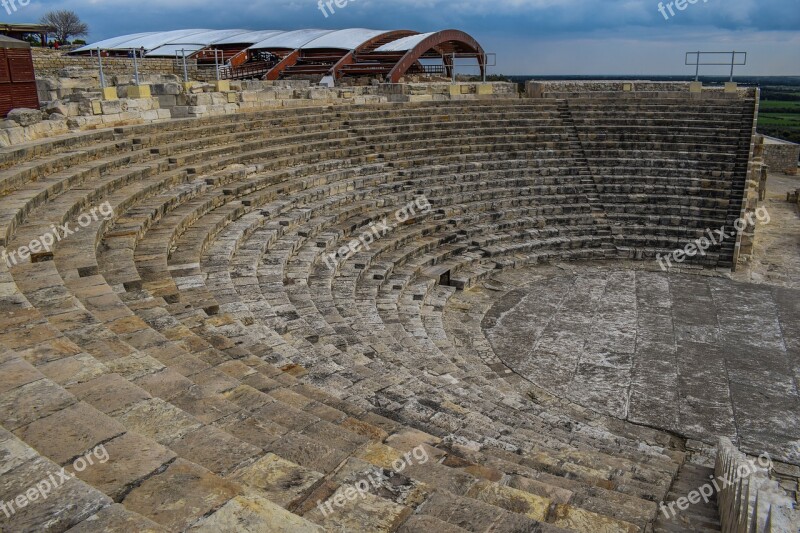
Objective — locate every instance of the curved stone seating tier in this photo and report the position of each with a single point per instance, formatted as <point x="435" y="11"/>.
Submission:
<point x="239" y="367"/>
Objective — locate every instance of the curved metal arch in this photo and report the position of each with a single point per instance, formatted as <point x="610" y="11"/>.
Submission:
<point x="433" y="41"/>
<point x="350" y="57"/>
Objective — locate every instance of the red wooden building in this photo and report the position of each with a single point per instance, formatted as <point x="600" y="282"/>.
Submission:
<point x="17" y="79"/>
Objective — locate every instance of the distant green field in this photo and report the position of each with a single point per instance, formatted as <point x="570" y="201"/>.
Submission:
<point x="779" y="113"/>
<point x="769" y="105"/>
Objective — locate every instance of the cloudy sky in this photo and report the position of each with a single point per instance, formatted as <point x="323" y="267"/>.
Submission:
<point x="529" y="36"/>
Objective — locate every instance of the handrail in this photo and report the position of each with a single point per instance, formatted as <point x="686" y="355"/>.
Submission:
<point x="483" y="61"/>
<point x="246" y="70"/>
<point x="698" y="63"/>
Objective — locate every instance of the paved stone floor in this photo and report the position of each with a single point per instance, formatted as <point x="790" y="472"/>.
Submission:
<point x="701" y="356"/>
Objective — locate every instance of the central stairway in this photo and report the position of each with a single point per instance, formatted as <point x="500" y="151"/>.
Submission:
<point x="240" y="382"/>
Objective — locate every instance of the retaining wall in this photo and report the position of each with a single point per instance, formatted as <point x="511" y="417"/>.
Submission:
<point x="781" y="156"/>
<point x="49" y="63"/>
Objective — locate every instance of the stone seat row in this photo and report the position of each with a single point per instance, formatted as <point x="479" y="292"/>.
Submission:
<point x="167" y="223"/>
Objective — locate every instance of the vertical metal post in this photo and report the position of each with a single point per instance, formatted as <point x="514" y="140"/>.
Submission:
<point x="697" y="69"/>
<point x="100" y="63"/>
<point x="733" y="61"/>
<point x="453" y="68"/>
<point x="485" y="63"/>
<point x="185" y="68"/>
<point x="216" y="63"/>
<point x="135" y="68"/>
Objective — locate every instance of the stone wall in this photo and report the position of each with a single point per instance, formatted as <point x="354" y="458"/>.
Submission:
<point x="48" y="63"/>
<point x="200" y="100"/>
<point x="439" y="91"/>
<point x="546" y="89"/>
<point x="86" y="112"/>
<point x="781" y="156"/>
<point x="645" y="89"/>
<point x="77" y="103"/>
<point x="756" y="181"/>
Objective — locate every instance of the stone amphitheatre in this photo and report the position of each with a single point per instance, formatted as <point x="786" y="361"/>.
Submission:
<point x="397" y="307"/>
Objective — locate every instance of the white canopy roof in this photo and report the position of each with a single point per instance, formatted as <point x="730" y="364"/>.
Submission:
<point x="344" y="39"/>
<point x="166" y="44"/>
<point x="172" y="50"/>
<point x="194" y="42"/>
<point x="404" y="44"/>
<point x="114" y="42"/>
<point x="290" y="39"/>
<point x="251" y="37"/>
<point x="149" y="41"/>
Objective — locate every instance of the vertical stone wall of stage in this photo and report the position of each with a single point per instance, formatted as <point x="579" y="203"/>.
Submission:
<point x="672" y="117"/>
<point x="781" y="156"/>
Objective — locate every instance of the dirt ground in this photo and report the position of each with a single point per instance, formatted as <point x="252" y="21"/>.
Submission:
<point x="776" y="253"/>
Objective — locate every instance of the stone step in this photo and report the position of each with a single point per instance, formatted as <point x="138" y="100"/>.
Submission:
<point x="201" y="320"/>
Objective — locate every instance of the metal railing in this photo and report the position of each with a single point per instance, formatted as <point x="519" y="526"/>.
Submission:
<point x="698" y="63"/>
<point x="248" y="70"/>
<point x="483" y="66"/>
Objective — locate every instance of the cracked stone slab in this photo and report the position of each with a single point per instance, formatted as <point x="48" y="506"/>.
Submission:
<point x="698" y="355"/>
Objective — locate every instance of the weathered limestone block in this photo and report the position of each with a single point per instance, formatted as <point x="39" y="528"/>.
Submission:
<point x="131" y="459"/>
<point x="218" y="98"/>
<point x="110" y="93"/>
<point x="139" y="91"/>
<point x="200" y="99"/>
<point x="81" y="499"/>
<point x="167" y="100"/>
<point x="110" y="107"/>
<point x="117" y="519"/>
<point x="164" y="89"/>
<point x="252" y="514"/>
<point x="181" y="495"/>
<point x="61" y="107"/>
<point x="25" y="117"/>
<point x="283" y="482"/>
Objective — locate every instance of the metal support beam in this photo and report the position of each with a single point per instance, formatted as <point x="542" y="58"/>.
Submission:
<point x="285" y="63"/>
<point x="350" y="57"/>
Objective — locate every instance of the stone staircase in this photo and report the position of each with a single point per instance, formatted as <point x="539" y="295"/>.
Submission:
<point x="238" y="382"/>
<point x="638" y="150"/>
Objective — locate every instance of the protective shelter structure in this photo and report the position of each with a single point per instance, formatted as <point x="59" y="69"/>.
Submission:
<point x="22" y="31"/>
<point x="306" y="53"/>
<point x="17" y="79"/>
